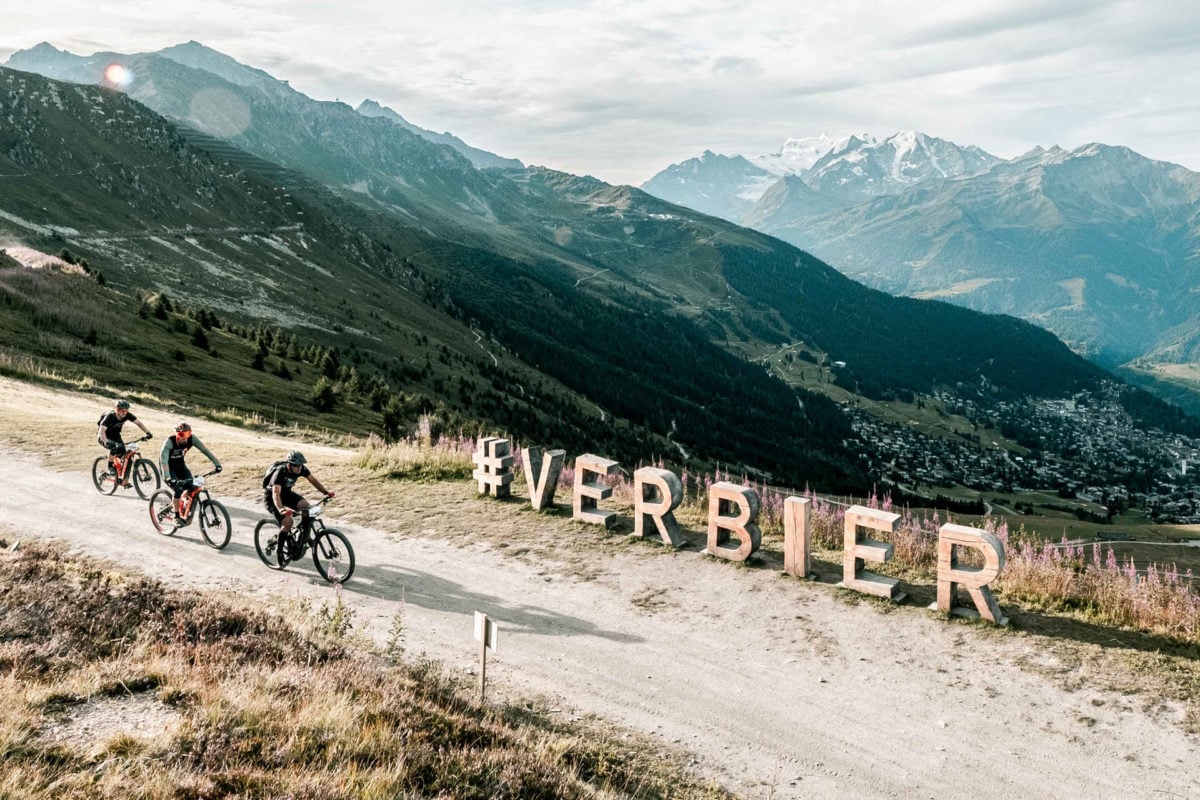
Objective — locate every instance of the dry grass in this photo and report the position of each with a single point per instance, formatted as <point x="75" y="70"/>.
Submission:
<point x="265" y="708"/>
<point x="416" y="460"/>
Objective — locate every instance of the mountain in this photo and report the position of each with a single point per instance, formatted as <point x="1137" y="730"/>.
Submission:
<point x="197" y="56"/>
<point x="355" y="155"/>
<point x="797" y="155"/>
<point x="91" y="172"/>
<point x="645" y="309"/>
<point x="863" y="167"/>
<point x="142" y="202"/>
<point x="845" y="170"/>
<point x="723" y="186"/>
<point x="481" y="159"/>
<point x="1098" y="245"/>
<point x="787" y="199"/>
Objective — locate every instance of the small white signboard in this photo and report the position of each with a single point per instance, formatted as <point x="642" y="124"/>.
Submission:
<point x="485" y="631"/>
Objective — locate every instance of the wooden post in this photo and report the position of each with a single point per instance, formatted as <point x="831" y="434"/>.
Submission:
<point x="482" y="670"/>
<point x="485" y="633"/>
<point x="797" y="555"/>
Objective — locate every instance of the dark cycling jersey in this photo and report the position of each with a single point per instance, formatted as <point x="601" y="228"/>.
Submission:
<point x="111" y="424"/>
<point x="283" y="477"/>
<point x="174" y="452"/>
<point x="172" y="458"/>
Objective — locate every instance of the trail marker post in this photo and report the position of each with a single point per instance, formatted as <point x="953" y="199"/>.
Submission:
<point x="485" y="634"/>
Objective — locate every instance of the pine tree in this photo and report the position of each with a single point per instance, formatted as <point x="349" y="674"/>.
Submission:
<point x="162" y="307"/>
<point x="393" y="413"/>
<point x="323" y="397"/>
<point x="329" y="363"/>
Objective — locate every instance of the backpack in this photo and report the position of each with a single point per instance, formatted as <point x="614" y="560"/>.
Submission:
<point x="270" y="470"/>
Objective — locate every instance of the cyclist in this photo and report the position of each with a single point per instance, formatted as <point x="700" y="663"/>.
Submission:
<point x="281" y="499"/>
<point x="109" y="432"/>
<point x="171" y="459"/>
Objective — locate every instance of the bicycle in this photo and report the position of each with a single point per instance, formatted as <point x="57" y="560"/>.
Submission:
<point x="332" y="553"/>
<point x="215" y="526"/>
<point x="110" y="472"/>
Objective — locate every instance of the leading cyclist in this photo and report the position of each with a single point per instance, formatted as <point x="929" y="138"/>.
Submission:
<point x="281" y="499"/>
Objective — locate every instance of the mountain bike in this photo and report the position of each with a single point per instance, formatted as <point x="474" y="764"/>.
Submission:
<point x="215" y="526"/>
<point x="110" y="472"/>
<point x="331" y="550"/>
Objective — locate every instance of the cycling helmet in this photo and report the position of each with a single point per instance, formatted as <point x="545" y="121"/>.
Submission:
<point x="296" y="457"/>
<point x="183" y="429"/>
<point x="122" y="404"/>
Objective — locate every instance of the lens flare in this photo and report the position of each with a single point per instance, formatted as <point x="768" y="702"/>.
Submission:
<point x="117" y="75"/>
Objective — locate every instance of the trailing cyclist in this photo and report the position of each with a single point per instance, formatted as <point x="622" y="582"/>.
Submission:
<point x="279" y="496"/>
<point x="172" y="460"/>
<point x="109" y="431"/>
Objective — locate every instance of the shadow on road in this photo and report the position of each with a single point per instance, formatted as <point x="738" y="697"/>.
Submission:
<point x="395" y="583"/>
<point x="435" y="592"/>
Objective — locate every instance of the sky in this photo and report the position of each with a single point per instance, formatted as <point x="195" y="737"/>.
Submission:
<point x="622" y="89"/>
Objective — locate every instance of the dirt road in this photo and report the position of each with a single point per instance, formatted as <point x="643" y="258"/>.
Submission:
<point x="778" y="687"/>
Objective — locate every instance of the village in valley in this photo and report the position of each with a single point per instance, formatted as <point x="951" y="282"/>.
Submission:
<point x="1085" y="450"/>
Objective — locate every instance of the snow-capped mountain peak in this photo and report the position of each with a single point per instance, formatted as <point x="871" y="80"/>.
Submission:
<point x="799" y="154"/>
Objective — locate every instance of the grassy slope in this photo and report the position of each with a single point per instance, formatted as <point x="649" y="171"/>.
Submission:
<point x="151" y="211"/>
<point x="259" y="707"/>
<point x="45" y="317"/>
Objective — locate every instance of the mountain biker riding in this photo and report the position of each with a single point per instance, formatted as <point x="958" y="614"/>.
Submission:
<point x="109" y="431"/>
<point x="281" y="500"/>
<point x="172" y="455"/>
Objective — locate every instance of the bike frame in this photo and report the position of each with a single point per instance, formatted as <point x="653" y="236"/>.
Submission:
<point x="306" y="528"/>
<point x="121" y="463"/>
<point x="188" y="500"/>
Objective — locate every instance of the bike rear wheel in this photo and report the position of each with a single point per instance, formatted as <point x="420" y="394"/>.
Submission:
<point x="145" y="477"/>
<point x="214" y="524"/>
<point x="333" y="556"/>
<point x="162" y="512"/>
<point x="104" y="478"/>
<point x="266" y="543"/>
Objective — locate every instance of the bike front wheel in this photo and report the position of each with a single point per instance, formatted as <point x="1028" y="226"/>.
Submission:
<point x="214" y="524"/>
<point x="145" y="478"/>
<point x="162" y="512"/>
<point x="266" y="543"/>
<point x="104" y="478"/>
<point x="333" y="556"/>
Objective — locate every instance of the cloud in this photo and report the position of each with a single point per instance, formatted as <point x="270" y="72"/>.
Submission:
<point x="621" y="88"/>
<point x="1006" y="17"/>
